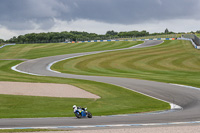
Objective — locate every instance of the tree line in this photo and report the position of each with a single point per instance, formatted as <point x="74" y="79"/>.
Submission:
<point x="55" y="37"/>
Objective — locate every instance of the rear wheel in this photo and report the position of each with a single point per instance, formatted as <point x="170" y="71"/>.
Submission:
<point x="89" y="115"/>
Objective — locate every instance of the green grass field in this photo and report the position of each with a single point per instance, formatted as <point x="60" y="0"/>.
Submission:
<point x="172" y="62"/>
<point x="197" y="34"/>
<point x="32" y="51"/>
<point x="114" y="100"/>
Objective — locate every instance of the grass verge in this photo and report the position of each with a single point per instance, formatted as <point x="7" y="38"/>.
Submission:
<point x="32" y="51"/>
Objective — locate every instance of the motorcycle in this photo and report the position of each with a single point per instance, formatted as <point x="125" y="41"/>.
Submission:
<point x="82" y="113"/>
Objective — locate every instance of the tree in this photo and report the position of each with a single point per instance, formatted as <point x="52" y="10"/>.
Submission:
<point x="166" y="31"/>
<point x="21" y="39"/>
<point x="111" y="33"/>
<point x="77" y="36"/>
<point x="198" y="31"/>
<point x="1" y="41"/>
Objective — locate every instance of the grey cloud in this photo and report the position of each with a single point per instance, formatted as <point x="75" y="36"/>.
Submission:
<point x="22" y="14"/>
<point x="136" y="11"/>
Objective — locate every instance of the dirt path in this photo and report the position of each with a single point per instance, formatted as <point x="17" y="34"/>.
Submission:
<point x="44" y="89"/>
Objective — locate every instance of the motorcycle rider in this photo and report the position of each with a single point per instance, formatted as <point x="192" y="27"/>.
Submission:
<point x="75" y="108"/>
<point x="81" y="112"/>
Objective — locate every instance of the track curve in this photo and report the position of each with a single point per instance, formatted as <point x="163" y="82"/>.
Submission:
<point x="187" y="98"/>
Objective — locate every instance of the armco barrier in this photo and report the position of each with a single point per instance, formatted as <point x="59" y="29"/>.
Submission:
<point x="154" y="39"/>
<point x="7" y="45"/>
<point x="194" y="38"/>
<point x="195" y="46"/>
<point x="112" y="40"/>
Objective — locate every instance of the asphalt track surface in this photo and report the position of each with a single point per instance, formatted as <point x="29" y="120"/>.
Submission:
<point x="187" y="98"/>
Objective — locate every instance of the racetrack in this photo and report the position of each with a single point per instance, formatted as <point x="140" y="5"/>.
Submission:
<point x="187" y="98"/>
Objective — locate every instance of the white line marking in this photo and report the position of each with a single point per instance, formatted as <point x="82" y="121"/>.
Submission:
<point x="102" y="126"/>
<point x="191" y="87"/>
<point x="15" y="69"/>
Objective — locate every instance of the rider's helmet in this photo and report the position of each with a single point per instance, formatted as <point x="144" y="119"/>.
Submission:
<point x="74" y="106"/>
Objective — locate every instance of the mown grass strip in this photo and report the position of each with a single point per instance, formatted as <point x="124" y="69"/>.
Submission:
<point x="31" y="51"/>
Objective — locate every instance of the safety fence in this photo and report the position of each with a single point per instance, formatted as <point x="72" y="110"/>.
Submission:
<point x="193" y="43"/>
<point x="112" y="40"/>
<point x="6" y="45"/>
<point x="193" y="38"/>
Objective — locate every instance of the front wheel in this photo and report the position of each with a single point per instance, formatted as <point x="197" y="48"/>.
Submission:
<point x="89" y="115"/>
<point x="78" y="115"/>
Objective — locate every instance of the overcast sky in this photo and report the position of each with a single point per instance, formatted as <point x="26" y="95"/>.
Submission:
<point x="18" y="17"/>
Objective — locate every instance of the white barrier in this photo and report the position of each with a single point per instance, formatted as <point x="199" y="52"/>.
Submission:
<point x="112" y="40"/>
<point x="195" y="46"/>
<point x="7" y="45"/>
